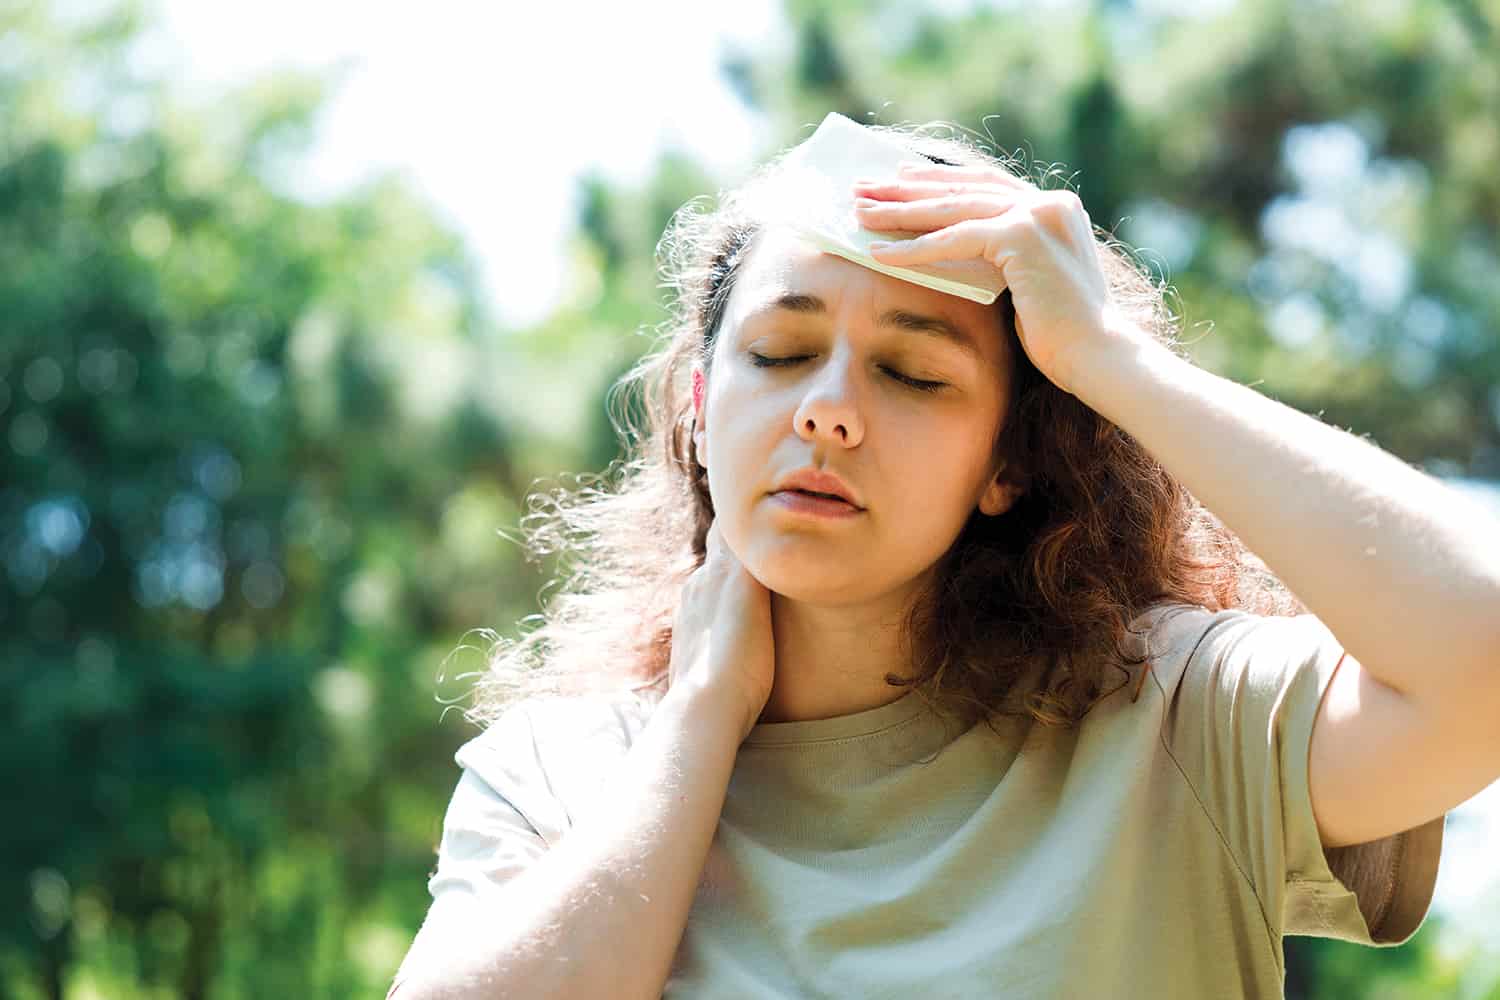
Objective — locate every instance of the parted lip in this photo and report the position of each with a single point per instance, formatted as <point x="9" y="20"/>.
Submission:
<point x="819" y="482"/>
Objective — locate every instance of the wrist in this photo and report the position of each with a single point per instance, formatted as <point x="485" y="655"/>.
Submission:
<point x="711" y="709"/>
<point x="1119" y="357"/>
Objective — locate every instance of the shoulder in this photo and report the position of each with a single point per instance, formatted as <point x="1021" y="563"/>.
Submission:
<point x="1185" y="643"/>
<point x="548" y="753"/>
<point x="551" y="717"/>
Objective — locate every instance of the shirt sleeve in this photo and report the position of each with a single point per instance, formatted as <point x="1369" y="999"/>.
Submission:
<point x="1239" y="724"/>
<point x="488" y="839"/>
<point x="542" y="760"/>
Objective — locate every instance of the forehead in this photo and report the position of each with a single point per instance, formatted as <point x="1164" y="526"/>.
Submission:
<point x="782" y="263"/>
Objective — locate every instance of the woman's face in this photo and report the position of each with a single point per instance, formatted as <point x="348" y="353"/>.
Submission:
<point x="918" y="461"/>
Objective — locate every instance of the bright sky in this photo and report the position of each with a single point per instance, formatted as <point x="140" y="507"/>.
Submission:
<point x="494" y="110"/>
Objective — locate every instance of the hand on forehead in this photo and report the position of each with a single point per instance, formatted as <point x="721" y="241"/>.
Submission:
<point x="782" y="263"/>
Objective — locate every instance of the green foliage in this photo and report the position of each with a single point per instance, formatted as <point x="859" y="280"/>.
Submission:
<point x="255" y="452"/>
<point x="252" y="473"/>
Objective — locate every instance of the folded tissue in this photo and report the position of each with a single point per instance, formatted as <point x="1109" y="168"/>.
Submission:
<point x="821" y="172"/>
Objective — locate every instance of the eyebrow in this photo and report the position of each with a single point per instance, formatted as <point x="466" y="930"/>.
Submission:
<point x="799" y="302"/>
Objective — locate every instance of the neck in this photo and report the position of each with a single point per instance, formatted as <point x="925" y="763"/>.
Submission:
<point x="832" y="660"/>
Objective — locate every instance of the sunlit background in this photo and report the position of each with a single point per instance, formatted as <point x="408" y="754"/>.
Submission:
<point x="300" y="300"/>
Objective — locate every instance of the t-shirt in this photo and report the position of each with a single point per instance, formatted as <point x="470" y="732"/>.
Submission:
<point x="1160" y="849"/>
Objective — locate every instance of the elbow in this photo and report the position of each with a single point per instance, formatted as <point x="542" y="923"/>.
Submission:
<point x="419" y="987"/>
<point x="416" y="987"/>
<point x="425" y="984"/>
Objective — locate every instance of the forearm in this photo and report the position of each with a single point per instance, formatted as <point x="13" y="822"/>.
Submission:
<point x="1403" y="570"/>
<point x="603" y="913"/>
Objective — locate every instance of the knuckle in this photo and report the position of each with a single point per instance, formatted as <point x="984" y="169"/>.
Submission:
<point x="1059" y="204"/>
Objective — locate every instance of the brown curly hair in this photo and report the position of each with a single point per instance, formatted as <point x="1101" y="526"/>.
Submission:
<point x="1028" y="613"/>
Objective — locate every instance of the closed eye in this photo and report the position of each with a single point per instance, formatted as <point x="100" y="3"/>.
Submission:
<point x="922" y="385"/>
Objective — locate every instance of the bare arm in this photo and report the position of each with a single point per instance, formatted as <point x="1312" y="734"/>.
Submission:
<point x="602" y="913"/>
<point x="1404" y="572"/>
<point x="1402" y="569"/>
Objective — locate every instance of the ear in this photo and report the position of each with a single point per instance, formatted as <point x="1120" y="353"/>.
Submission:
<point x="700" y="437"/>
<point x="1000" y="494"/>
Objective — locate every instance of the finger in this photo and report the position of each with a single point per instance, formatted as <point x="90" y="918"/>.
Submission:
<point x="716" y="546"/>
<point x="925" y="216"/>
<point x="970" y="173"/>
<point x="913" y="190"/>
<point x="964" y="240"/>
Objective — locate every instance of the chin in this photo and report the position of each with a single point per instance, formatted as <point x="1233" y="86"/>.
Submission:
<point x="814" y="579"/>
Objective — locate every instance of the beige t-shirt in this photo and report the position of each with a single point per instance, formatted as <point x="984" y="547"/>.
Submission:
<point x="1159" y="850"/>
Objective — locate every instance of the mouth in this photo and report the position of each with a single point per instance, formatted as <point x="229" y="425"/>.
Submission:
<point x="815" y="504"/>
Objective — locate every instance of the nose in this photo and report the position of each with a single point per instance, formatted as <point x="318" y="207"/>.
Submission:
<point x="830" y="410"/>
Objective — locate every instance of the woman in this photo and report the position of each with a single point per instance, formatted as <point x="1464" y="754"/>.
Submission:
<point x="1017" y="716"/>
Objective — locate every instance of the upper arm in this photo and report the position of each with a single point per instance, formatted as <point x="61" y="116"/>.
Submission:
<point x="510" y="807"/>
<point x="1382" y="762"/>
<point x="1266" y="715"/>
<point x="449" y="920"/>
<point x="486" y="844"/>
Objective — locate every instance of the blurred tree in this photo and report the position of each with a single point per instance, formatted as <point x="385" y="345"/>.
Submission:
<point x="253" y="453"/>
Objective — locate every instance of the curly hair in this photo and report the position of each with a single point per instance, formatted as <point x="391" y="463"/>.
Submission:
<point x="1027" y="614"/>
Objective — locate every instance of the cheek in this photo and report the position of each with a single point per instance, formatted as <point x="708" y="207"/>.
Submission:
<point x="740" y="437"/>
<point x="942" y="461"/>
<point x="952" y="442"/>
<point x="740" y="418"/>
